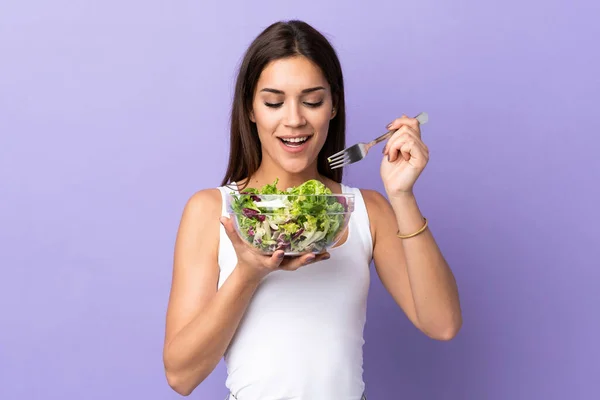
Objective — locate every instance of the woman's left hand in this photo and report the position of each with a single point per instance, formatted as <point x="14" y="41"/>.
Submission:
<point x="405" y="157"/>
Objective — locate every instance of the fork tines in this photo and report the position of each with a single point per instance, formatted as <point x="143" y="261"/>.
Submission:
<point x="347" y="156"/>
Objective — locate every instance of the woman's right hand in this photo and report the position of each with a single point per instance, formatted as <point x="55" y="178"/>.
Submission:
<point x="255" y="265"/>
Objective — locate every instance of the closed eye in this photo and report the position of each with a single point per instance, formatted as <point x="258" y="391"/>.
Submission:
<point x="314" y="105"/>
<point x="277" y="105"/>
<point x="273" y="105"/>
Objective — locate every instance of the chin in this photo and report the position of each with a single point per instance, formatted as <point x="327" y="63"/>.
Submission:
<point x="294" y="166"/>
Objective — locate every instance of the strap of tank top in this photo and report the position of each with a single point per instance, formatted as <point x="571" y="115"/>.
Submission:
<point x="361" y="218"/>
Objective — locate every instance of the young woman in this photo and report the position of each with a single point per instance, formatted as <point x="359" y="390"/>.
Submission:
<point x="292" y="327"/>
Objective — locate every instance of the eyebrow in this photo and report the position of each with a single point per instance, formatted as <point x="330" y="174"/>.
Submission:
<point x="309" y="90"/>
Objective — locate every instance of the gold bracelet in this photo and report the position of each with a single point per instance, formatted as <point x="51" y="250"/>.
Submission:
<point x="414" y="234"/>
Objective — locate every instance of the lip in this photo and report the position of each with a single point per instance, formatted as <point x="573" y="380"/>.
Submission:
<point x="296" y="149"/>
<point x="294" y="137"/>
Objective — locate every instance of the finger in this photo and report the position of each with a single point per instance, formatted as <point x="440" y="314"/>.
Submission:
<point x="232" y="234"/>
<point x="411" y="151"/>
<point x="293" y="263"/>
<point x="298" y="262"/>
<point x="400" y="135"/>
<point x="404" y="120"/>
<point x="322" y="257"/>
<point x="411" y="136"/>
<point x="401" y="149"/>
<point x="407" y="148"/>
<point x="276" y="259"/>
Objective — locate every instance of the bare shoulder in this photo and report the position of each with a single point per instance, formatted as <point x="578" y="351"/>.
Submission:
<point x="376" y="203"/>
<point x="203" y="202"/>
<point x="373" y="198"/>
<point x="199" y="225"/>
<point x="378" y="209"/>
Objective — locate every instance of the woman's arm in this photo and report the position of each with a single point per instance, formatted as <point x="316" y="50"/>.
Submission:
<point x="413" y="270"/>
<point x="201" y="320"/>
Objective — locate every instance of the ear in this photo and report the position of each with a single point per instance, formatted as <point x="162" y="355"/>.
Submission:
<point x="251" y="114"/>
<point x="334" y="107"/>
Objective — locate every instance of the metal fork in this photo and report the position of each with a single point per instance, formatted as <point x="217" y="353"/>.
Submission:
<point x="358" y="151"/>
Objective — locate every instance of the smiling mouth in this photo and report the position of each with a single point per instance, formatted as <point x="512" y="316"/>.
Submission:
<point x="295" y="142"/>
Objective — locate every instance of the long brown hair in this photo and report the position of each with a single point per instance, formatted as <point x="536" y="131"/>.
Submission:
<point x="281" y="40"/>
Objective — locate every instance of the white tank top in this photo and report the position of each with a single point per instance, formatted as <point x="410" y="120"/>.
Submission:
<point x="301" y="337"/>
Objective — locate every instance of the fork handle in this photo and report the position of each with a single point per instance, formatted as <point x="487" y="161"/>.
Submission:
<point x="383" y="137"/>
<point x="422" y="118"/>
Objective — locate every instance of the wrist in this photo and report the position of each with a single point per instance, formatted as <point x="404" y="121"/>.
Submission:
<point x="402" y="196"/>
<point x="407" y="212"/>
<point x="248" y="275"/>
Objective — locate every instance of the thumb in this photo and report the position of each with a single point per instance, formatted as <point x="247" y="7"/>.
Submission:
<point x="230" y="231"/>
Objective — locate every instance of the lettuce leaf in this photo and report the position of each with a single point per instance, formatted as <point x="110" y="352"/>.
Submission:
<point x="307" y="219"/>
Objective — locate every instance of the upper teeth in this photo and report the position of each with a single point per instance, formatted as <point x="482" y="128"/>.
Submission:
<point x="296" y="140"/>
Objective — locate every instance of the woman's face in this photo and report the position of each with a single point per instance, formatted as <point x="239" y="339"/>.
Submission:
<point x="292" y="107"/>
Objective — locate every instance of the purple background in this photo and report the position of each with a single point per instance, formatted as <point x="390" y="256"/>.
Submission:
<point x="106" y="114"/>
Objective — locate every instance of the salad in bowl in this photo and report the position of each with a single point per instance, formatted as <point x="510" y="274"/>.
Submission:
<point x="304" y="219"/>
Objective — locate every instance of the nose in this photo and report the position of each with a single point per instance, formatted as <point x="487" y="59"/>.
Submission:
<point x="294" y="117"/>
